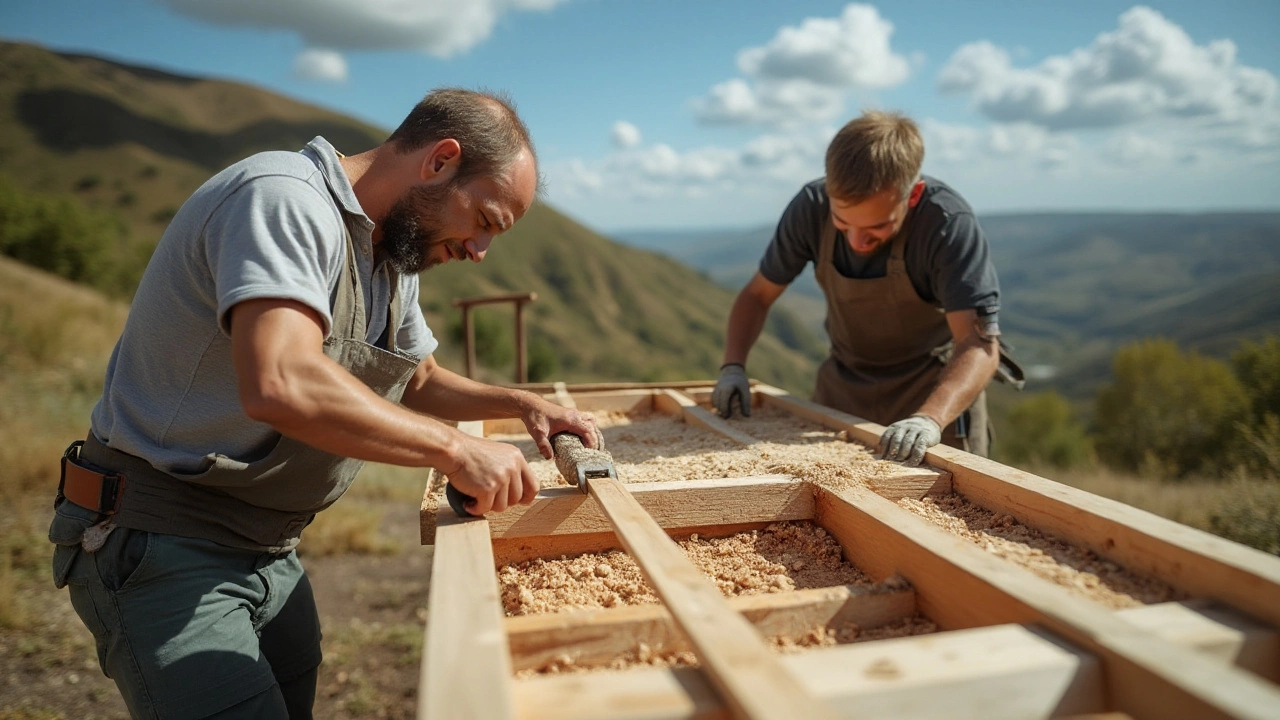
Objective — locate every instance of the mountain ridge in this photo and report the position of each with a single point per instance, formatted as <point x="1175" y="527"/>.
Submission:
<point x="135" y="141"/>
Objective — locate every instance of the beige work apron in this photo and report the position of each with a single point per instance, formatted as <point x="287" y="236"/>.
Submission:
<point x="885" y="343"/>
<point x="264" y="503"/>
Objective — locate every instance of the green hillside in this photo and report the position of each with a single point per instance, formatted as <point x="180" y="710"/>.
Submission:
<point x="133" y="142"/>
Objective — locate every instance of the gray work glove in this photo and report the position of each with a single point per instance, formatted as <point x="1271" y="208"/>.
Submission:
<point x="732" y="384"/>
<point x="909" y="439"/>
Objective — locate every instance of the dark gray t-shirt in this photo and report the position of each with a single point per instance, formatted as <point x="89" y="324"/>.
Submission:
<point x="945" y="252"/>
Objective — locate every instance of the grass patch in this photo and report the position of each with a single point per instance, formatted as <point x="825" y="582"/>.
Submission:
<point x="350" y="526"/>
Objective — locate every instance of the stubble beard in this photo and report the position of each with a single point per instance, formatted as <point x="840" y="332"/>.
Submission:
<point x="412" y="229"/>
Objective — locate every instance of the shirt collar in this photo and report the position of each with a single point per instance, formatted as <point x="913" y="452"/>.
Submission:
<point x="326" y="158"/>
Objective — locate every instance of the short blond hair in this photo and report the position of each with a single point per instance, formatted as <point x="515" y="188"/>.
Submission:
<point x="873" y="153"/>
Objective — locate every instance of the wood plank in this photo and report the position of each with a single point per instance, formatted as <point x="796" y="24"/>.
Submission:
<point x="959" y="586"/>
<point x="736" y="658"/>
<point x="1196" y="562"/>
<point x="677" y="503"/>
<point x="466" y="665"/>
<point x="521" y="549"/>
<point x="998" y="673"/>
<point x="673" y="504"/>
<point x="673" y="402"/>
<point x="1215" y="630"/>
<point x="594" y="637"/>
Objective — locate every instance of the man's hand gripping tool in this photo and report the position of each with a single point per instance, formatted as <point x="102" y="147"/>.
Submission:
<point x="576" y="462"/>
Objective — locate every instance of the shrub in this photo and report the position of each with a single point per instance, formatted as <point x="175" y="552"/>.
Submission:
<point x="1043" y="430"/>
<point x="1169" y="412"/>
<point x="1250" y="514"/>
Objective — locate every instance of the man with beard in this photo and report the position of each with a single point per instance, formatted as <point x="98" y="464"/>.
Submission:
<point x="275" y="343"/>
<point x="911" y="294"/>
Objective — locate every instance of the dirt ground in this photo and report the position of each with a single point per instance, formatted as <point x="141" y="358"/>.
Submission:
<point x="371" y="608"/>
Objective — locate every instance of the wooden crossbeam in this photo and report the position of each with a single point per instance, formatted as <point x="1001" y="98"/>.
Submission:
<point x="959" y="586"/>
<point x="673" y="504"/>
<point x="594" y="637"/>
<point x="736" y="658"/>
<point x="997" y="673"/>
<point x="1191" y="560"/>
<point x="1216" y="631"/>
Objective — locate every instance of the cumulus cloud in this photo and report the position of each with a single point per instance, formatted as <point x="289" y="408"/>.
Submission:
<point x="321" y="65"/>
<point x="1147" y="69"/>
<point x="625" y="135"/>
<point x="658" y="170"/>
<point x="440" y="28"/>
<point x="803" y="74"/>
<point x="1011" y="144"/>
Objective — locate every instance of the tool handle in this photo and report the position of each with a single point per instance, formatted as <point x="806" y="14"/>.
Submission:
<point x="458" y="500"/>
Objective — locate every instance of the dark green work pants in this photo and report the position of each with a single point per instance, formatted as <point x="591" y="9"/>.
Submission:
<point x="189" y="628"/>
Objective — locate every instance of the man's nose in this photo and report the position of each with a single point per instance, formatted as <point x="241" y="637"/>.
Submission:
<point x="478" y="246"/>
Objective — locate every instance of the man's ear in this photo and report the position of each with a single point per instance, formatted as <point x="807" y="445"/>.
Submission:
<point x="441" y="161"/>
<point x="916" y="191"/>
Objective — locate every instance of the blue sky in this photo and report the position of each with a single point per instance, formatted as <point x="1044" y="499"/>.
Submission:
<point x="712" y="113"/>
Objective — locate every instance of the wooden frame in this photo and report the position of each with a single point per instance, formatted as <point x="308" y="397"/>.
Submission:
<point x="1013" y="645"/>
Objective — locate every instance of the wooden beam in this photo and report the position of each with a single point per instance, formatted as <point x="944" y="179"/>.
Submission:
<point x="634" y="400"/>
<point x="750" y="679"/>
<point x="1217" y="631"/>
<point x="1196" y="562"/>
<point x="673" y="402"/>
<point x="466" y="666"/>
<point x="959" y="586"/>
<point x="672" y="504"/>
<point x="998" y="673"/>
<point x="594" y="637"/>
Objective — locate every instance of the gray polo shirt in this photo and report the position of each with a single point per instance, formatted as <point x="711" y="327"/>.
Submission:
<point x="269" y="226"/>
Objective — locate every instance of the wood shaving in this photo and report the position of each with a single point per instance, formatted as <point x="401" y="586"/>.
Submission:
<point x="784" y="556"/>
<point x="1079" y="570"/>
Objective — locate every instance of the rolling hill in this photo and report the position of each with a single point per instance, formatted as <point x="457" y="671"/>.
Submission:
<point x="135" y="141"/>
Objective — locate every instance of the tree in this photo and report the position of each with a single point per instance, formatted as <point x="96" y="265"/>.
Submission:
<point x="1258" y="368"/>
<point x="1043" y="429"/>
<point x="1169" y="411"/>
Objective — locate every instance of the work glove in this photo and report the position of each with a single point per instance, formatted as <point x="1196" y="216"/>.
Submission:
<point x="908" y="440"/>
<point x="732" y="384"/>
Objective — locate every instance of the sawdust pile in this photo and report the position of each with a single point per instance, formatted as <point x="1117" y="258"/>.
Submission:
<point x="1077" y="569"/>
<point x="783" y="556"/>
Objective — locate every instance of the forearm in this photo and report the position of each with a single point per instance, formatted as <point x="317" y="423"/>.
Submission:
<point x="448" y="395"/>
<point x="746" y="321"/>
<point x="972" y="366"/>
<point x="316" y="401"/>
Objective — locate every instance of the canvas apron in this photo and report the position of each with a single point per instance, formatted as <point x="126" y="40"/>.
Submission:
<point x="263" y="504"/>
<point x="885" y="346"/>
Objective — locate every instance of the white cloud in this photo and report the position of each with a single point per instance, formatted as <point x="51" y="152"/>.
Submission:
<point x="803" y="74"/>
<point x="440" y="28"/>
<point x="1148" y="69"/>
<point x="659" y="171"/>
<point x="625" y="135"/>
<point x="321" y="65"/>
